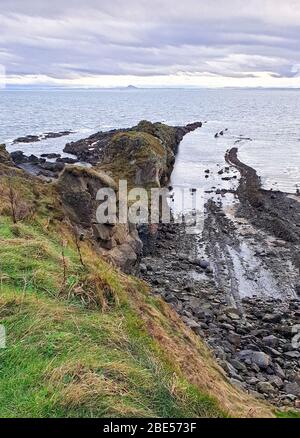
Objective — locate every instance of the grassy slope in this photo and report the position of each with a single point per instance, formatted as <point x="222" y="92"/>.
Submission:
<point x="88" y="341"/>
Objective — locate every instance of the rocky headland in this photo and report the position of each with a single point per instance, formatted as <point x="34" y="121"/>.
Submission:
<point x="143" y="155"/>
<point x="236" y="285"/>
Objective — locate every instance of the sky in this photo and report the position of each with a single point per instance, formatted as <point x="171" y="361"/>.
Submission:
<point x="173" y="43"/>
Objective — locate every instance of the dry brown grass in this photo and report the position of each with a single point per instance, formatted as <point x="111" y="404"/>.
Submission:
<point x="94" y="291"/>
<point x="82" y="386"/>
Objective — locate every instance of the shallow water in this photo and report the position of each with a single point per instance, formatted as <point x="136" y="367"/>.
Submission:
<point x="269" y="117"/>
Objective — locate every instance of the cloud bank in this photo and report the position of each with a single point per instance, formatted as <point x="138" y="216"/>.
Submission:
<point x="151" y="43"/>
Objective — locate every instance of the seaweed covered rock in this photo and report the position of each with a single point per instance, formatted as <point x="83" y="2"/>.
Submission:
<point x="138" y="157"/>
<point x="144" y="154"/>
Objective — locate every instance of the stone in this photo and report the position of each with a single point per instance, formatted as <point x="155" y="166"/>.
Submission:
<point x="272" y="351"/>
<point x="170" y="298"/>
<point x="276" y="381"/>
<point x="265" y="388"/>
<point x="272" y="318"/>
<point x="18" y="157"/>
<point x="102" y="232"/>
<point x="143" y="268"/>
<point x="292" y="388"/>
<point x="234" y="316"/>
<point x="253" y="381"/>
<point x="237" y="383"/>
<point x="33" y="159"/>
<point x="234" y="339"/>
<point x="238" y="365"/>
<point x="191" y="323"/>
<point x="203" y="264"/>
<point x="292" y="354"/>
<point x="279" y="371"/>
<point x="262" y="360"/>
<point x="271" y="341"/>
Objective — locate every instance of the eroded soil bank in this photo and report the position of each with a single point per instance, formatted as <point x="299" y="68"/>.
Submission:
<point x="237" y="284"/>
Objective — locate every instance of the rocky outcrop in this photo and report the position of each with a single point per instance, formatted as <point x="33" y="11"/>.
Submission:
<point x="45" y="136"/>
<point x="78" y="188"/>
<point x="5" y="157"/>
<point x="265" y="208"/>
<point x="143" y="155"/>
<point x="39" y="165"/>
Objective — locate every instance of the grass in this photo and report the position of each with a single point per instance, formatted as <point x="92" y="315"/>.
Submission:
<point x="63" y="360"/>
<point x="287" y="414"/>
<point x="89" y="341"/>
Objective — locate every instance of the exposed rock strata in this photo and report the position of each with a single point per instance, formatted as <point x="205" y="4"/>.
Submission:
<point x="78" y="189"/>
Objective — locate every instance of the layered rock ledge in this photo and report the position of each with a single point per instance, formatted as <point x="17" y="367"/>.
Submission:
<point x="144" y="156"/>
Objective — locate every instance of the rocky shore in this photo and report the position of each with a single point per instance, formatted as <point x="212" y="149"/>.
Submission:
<point x="253" y="342"/>
<point x="237" y="285"/>
<point x="35" y="138"/>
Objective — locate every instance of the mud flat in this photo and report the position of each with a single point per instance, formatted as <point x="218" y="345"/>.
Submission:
<point x="237" y="284"/>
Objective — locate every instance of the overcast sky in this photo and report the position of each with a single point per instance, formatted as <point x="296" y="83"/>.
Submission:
<point x="151" y="43"/>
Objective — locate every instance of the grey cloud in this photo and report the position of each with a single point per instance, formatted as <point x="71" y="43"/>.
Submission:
<point x="232" y="38"/>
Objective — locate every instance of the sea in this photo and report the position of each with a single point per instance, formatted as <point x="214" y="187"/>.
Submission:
<point x="263" y="123"/>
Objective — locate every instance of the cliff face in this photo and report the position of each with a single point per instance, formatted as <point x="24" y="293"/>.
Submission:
<point x="78" y="188"/>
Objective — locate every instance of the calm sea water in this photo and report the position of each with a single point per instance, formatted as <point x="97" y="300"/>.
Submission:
<point x="270" y="118"/>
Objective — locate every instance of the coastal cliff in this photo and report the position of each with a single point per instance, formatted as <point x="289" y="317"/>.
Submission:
<point x="97" y="341"/>
<point x="143" y="156"/>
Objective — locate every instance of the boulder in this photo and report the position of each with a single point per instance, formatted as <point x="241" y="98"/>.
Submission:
<point x="262" y="360"/>
<point x="271" y="341"/>
<point x="276" y="381"/>
<point x="18" y="157"/>
<point x="292" y="388"/>
<point x="272" y="318"/>
<point x="50" y="155"/>
<point x="265" y="388"/>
